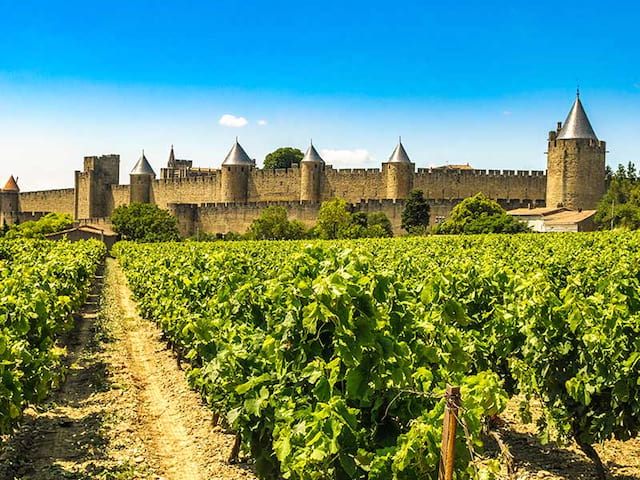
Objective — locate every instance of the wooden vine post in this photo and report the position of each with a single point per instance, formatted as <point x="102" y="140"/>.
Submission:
<point x="447" y="450"/>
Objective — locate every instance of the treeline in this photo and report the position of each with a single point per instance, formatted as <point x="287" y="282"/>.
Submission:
<point x="620" y="206"/>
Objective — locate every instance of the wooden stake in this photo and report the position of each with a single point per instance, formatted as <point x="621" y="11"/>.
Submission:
<point x="447" y="450"/>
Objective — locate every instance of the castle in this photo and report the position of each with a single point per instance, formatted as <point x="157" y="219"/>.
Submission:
<point x="229" y="198"/>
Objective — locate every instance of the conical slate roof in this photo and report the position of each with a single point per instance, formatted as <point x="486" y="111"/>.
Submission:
<point x="143" y="167"/>
<point x="237" y="156"/>
<point x="577" y="124"/>
<point x="11" y="185"/>
<point x="399" y="154"/>
<point x="312" y="155"/>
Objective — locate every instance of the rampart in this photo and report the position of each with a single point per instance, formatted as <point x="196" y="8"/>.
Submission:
<point x="507" y="184"/>
<point x="185" y="190"/>
<point x="353" y="184"/>
<point x="274" y="185"/>
<point x="60" y="201"/>
<point x="196" y="200"/>
<point x="237" y="217"/>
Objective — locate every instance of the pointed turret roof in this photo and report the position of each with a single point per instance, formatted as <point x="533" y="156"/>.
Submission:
<point x="312" y="155"/>
<point x="399" y="154"/>
<point x="172" y="158"/>
<point x="11" y="185"/>
<point x="237" y="156"/>
<point x="577" y="124"/>
<point x="143" y="167"/>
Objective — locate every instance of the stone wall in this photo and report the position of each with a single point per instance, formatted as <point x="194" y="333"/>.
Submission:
<point x="450" y="184"/>
<point x="186" y="190"/>
<point x="119" y="195"/>
<point x="354" y="184"/>
<point x="59" y="201"/>
<point x="274" y="185"/>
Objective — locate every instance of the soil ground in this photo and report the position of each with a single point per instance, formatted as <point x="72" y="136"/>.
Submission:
<point x="126" y="412"/>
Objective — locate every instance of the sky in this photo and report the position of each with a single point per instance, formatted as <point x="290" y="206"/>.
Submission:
<point x="461" y="82"/>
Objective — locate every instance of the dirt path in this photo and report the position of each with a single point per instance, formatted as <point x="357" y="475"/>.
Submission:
<point x="124" y="412"/>
<point x="176" y="424"/>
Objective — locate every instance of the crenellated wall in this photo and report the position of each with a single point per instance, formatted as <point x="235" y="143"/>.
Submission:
<point x="274" y="185"/>
<point x="60" y="201"/>
<point x="198" y="200"/>
<point x="204" y="189"/>
<point x="450" y="183"/>
<point x="353" y="184"/>
<point x="235" y="217"/>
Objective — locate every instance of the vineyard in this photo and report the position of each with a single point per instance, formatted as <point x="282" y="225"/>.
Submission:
<point x="42" y="284"/>
<point x="330" y="359"/>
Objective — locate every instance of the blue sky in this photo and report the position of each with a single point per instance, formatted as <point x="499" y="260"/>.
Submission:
<point x="477" y="82"/>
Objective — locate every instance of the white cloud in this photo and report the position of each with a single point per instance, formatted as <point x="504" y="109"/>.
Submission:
<point x="228" y="120"/>
<point x="346" y="157"/>
<point x="262" y="122"/>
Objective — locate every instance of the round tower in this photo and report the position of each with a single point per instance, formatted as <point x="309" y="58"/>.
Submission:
<point x="235" y="175"/>
<point x="141" y="178"/>
<point x="311" y="171"/>
<point x="398" y="172"/>
<point x="9" y="202"/>
<point x="575" y="163"/>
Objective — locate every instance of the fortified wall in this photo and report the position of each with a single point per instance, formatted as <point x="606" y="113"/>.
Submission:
<point x="229" y="198"/>
<point x="233" y="217"/>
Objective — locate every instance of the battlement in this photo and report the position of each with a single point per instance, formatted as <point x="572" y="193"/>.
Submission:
<point x="352" y="171"/>
<point x="479" y="172"/>
<point x="195" y="180"/>
<point x="265" y="173"/>
<point x="253" y="205"/>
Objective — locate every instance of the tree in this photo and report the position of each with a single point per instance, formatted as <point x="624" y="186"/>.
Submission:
<point x="479" y="214"/>
<point x="379" y="225"/>
<point x="283" y="158"/>
<point x="415" y="216"/>
<point x="273" y="224"/>
<point x="50" y="223"/>
<point x="620" y="205"/>
<point x="144" y="222"/>
<point x="334" y="219"/>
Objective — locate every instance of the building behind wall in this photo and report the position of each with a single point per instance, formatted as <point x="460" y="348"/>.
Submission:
<point x="218" y="200"/>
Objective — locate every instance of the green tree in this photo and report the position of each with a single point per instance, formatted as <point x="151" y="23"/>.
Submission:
<point x="334" y="220"/>
<point x="273" y="224"/>
<point x="378" y="225"/>
<point x="144" y="222"/>
<point x="620" y="205"/>
<point x="50" y="223"/>
<point x="283" y="158"/>
<point x="415" y="216"/>
<point x="479" y="214"/>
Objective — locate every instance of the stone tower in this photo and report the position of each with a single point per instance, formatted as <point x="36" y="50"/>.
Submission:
<point x="141" y="178"/>
<point x="9" y="203"/>
<point x="93" y="186"/>
<point x="398" y="173"/>
<point x="311" y="171"/>
<point x="575" y="163"/>
<point x="235" y="175"/>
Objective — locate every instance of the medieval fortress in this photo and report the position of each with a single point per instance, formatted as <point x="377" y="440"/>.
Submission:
<point x="229" y="198"/>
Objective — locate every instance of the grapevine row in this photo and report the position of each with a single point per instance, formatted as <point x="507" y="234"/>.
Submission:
<point x="329" y="359"/>
<point x="41" y="284"/>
